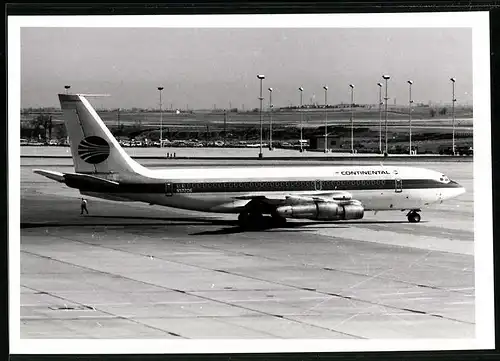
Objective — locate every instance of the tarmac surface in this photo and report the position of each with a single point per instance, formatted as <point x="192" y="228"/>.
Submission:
<point x="130" y="270"/>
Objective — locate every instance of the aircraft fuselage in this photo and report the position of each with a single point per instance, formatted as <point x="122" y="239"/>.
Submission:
<point x="376" y="187"/>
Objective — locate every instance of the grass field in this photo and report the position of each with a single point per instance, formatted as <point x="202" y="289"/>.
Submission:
<point x="310" y="117"/>
<point x="428" y="133"/>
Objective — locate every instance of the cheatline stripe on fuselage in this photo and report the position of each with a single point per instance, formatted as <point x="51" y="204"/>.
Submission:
<point x="271" y="186"/>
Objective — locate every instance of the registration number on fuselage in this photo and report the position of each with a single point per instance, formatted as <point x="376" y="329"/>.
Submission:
<point x="184" y="190"/>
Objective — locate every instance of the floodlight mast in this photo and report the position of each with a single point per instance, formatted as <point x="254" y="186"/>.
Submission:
<point x="379" y="117"/>
<point x="352" y="117"/>
<point x="386" y="78"/>
<point x="260" y="77"/>
<point x="270" y="118"/>
<point x="453" y="80"/>
<point x="326" y="118"/>
<point x="160" y="88"/>
<point x="301" y="120"/>
<point x="410" y="101"/>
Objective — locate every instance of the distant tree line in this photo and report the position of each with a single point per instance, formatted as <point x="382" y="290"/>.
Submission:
<point x="42" y="128"/>
<point x="433" y="112"/>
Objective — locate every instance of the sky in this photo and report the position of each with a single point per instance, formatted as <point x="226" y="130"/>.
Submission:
<point x="200" y="67"/>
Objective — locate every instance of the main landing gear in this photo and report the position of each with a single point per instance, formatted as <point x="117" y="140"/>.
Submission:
<point x="247" y="219"/>
<point x="255" y="220"/>
<point x="413" y="216"/>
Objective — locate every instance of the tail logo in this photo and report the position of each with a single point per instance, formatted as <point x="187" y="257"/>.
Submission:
<point x="93" y="150"/>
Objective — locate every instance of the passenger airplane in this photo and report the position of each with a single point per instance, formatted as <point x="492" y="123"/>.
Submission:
<point x="104" y="170"/>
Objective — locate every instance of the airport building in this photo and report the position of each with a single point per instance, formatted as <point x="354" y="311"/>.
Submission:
<point x="318" y="142"/>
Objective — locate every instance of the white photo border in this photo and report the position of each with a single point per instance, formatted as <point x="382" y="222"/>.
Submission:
<point x="483" y="224"/>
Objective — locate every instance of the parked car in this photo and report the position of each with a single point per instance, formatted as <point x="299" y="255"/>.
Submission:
<point x="465" y="150"/>
<point x="459" y="150"/>
<point x="445" y="150"/>
<point x="64" y="143"/>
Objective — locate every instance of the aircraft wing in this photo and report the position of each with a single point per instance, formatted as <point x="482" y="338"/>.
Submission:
<point x="288" y="199"/>
<point x="77" y="180"/>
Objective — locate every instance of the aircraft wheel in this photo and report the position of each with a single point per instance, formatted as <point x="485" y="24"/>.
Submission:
<point x="256" y="220"/>
<point x="250" y="220"/>
<point x="243" y="219"/>
<point x="413" y="217"/>
<point x="278" y="221"/>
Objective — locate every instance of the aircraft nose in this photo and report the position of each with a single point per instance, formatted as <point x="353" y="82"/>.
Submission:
<point x="454" y="191"/>
<point x="459" y="188"/>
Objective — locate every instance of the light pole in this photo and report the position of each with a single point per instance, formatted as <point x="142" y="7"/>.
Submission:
<point x="225" y="126"/>
<point x="352" y="117"/>
<point x="260" y="77"/>
<point x="380" y="117"/>
<point x="410" y="82"/>
<point x="270" y="118"/>
<point x="300" y="110"/>
<point x="160" y="88"/>
<point x="326" y="119"/>
<point x="386" y="78"/>
<point x="453" y="113"/>
<point x="66" y="87"/>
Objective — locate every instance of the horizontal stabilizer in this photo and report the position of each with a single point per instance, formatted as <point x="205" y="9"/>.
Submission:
<point x="79" y="180"/>
<point x="87" y="178"/>
<point x="57" y="176"/>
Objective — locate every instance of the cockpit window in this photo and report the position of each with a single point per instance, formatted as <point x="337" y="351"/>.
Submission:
<point x="444" y="179"/>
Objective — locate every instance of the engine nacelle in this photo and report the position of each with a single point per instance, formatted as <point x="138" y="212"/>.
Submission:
<point x="323" y="211"/>
<point x="354" y="211"/>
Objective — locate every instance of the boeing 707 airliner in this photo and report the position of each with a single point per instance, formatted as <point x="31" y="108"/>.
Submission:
<point x="104" y="170"/>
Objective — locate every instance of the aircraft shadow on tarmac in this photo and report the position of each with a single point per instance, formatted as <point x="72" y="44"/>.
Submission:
<point x="290" y="227"/>
<point x="232" y="226"/>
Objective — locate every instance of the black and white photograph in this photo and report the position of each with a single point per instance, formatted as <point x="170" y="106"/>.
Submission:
<point x="250" y="183"/>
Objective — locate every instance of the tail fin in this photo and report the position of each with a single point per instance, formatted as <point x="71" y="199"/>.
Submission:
<point x="93" y="147"/>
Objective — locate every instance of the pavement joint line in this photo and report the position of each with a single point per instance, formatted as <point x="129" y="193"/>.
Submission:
<point x="397" y="245"/>
<point x="105" y="312"/>
<point x="188" y="293"/>
<point x="418" y="311"/>
<point x="203" y="297"/>
<point x="307" y="265"/>
<point x="280" y="283"/>
<point x="362" y="300"/>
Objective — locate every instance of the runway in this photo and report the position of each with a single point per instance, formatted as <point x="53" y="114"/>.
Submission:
<point x="130" y="270"/>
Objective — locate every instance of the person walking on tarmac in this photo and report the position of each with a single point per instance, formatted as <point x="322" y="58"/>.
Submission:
<point x="83" y="206"/>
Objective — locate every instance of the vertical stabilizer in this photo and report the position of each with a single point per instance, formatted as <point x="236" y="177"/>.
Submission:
<point x="93" y="147"/>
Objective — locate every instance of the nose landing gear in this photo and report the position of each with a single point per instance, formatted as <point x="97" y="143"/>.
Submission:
<point x="413" y="216"/>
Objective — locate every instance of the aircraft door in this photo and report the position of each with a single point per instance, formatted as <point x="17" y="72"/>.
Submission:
<point x="317" y="185"/>
<point x="169" y="189"/>
<point x="398" y="185"/>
